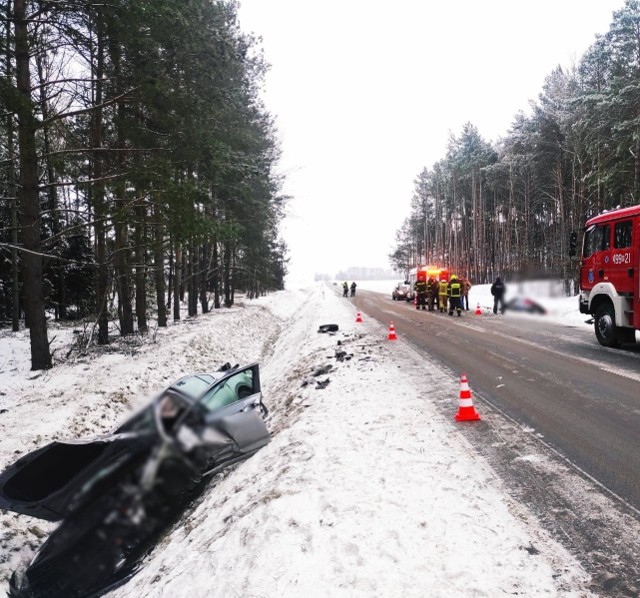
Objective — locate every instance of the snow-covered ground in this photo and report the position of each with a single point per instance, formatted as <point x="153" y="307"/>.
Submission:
<point x="365" y="490"/>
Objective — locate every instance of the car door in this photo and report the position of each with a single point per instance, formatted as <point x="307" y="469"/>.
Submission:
<point x="228" y="420"/>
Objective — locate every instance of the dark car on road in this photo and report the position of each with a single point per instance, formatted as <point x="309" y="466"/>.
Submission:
<point x="115" y="494"/>
<point x="400" y="292"/>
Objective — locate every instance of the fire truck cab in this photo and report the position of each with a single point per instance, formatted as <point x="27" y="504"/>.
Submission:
<point x="610" y="274"/>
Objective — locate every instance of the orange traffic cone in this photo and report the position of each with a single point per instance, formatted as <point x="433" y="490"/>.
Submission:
<point x="392" y="333"/>
<point x="466" y="411"/>
<point x="358" y="317"/>
<point x="478" y="310"/>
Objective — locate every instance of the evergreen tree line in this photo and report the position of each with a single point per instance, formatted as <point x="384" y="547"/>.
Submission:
<point x="507" y="208"/>
<point x="136" y="164"/>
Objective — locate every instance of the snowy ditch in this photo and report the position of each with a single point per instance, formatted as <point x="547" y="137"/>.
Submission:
<point x="366" y="488"/>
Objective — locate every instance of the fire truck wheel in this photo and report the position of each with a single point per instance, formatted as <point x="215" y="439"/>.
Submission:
<point x="605" y="326"/>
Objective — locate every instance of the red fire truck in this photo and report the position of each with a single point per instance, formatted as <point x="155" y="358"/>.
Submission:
<point x="424" y="273"/>
<point x="610" y="274"/>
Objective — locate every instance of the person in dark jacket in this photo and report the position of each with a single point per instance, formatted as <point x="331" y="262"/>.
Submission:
<point x="432" y="293"/>
<point x="353" y="289"/>
<point x="420" y="287"/>
<point x="345" y="289"/>
<point x="498" y="289"/>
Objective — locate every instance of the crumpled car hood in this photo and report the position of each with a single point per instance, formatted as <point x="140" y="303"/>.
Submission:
<point x="51" y="480"/>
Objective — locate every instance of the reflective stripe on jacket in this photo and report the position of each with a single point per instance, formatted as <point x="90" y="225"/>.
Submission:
<point x="455" y="288"/>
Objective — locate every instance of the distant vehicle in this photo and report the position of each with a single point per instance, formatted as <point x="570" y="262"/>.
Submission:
<point x="400" y="292"/>
<point x="115" y="494"/>
<point x="610" y="274"/>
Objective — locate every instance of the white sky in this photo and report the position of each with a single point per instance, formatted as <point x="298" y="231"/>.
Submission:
<point x="366" y="92"/>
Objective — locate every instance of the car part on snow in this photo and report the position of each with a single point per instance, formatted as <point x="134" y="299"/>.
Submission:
<point x="466" y="410"/>
<point x="328" y="328"/>
<point x="116" y="494"/>
<point x="325" y="369"/>
<point x="343" y="355"/>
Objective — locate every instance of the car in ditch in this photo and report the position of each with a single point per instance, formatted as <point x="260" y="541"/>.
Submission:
<point x="115" y="494"/>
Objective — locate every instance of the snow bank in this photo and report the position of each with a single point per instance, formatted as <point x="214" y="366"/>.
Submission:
<point x="366" y="489"/>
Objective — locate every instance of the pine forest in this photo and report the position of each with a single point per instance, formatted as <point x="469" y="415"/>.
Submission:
<point x="508" y="208"/>
<point x="137" y="165"/>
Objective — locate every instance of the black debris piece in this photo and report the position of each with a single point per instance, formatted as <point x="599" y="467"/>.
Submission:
<point x="325" y="369"/>
<point x="322" y="383"/>
<point x="328" y="328"/>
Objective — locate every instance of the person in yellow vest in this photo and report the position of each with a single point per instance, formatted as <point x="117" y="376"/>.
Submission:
<point x="442" y="295"/>
<point x="455" y="295"/>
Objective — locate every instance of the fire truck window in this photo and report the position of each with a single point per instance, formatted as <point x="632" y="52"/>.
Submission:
<point x="622" y="235"/>
<point x="587" y="244"/>
<point x="596" y="239"/>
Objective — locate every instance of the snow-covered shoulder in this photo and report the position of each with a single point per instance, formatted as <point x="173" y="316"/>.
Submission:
<point x="364" y="490"/>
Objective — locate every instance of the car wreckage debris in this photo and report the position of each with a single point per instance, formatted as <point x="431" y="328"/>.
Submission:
<point x="325" y="369"/>
<point x="328" y="328"/>
<point x="115" y="495"/>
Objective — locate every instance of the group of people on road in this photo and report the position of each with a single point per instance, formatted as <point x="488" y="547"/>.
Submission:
<point x="453" y="294"/>
<point x="433" y="293"/>
<point x="345" y="289"/>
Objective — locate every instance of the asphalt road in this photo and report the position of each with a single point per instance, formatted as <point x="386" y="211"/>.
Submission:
<point x="582" y="400"/>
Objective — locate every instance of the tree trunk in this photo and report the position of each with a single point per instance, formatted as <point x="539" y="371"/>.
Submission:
<point x="176" y="284"/>
<point x="228" y="301"/>
<point x="30" y="201"/>
<point x="121" y="216"/>
<point x="141" y="267"/>
<point x="158" y="265"/>
<point x="12" y="188"/>
<point x="193" y="279"/>
<point x="205" y="263"/>
<point x="97" y="193"/>
<point x="216" y="276"/>
<point x="55" y="269"/>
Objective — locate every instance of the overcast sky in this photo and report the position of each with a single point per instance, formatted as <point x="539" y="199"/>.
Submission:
<point x="366" y="93"/>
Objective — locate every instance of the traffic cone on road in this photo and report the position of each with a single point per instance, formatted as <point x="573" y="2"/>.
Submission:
<point x="358" y="317"/>
<point x="466" y="410"/>
<point x="478" y="310"/>
<point x="392" y="333"/>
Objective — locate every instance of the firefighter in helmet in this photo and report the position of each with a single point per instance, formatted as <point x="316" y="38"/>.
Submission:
<point x="442" y="295"/>
<point x="420" y="287"/>
<point x="455" y="295"/>
<point x="432" y="293"/>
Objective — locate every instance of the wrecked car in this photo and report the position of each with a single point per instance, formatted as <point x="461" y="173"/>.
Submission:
<point x="524" y="304"/>
<point x="115" y="494"/>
